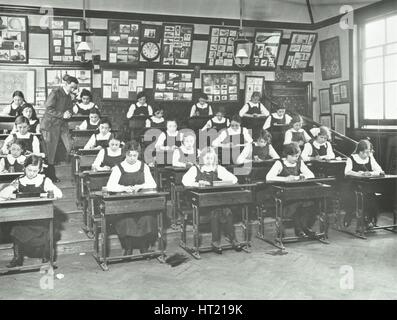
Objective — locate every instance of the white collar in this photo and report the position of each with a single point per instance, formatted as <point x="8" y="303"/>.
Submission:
<point x="131" y="167"/>
<point x="357" y="158"/>
<point x="38" y="180"/>
<point x="317" y="145"/>
<point x="205" y="105"/>
<point x="157" y="120"/>
<point x="184" y="150"/>
<point x="20" y="159"/>
<point x="27" y="135"/>
<point x="104" y="137"/>
<point x="275" y="115"/>
<point x="172" y="135"/>
<point x="117" y="153"/>
<point x="86" y="106"/>
<point x="64" y="90"/>
<point x="288" y="164"/>
<point x="215" y="119"/>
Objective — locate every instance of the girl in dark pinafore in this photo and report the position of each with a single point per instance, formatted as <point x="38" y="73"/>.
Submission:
<point x="108" y="157"/>
<point x="132" y="175"/>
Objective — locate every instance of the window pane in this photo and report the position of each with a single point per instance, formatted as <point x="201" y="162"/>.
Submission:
<point x="391" y="67"/>
<point x="391" y="100"/>
<point x="373" y="70"/>
<point x="391" y="48"/>
<point x="391" y="29"/>
<point x="373" y="101"/>
<point x="373" y="52"/>
<point x="375" y="33"/>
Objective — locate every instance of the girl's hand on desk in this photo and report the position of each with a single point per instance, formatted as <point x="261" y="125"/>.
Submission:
<point x="97" y="148"/>
<point x="136" y="188"/>
<point x="302" y="177"/>
<point x="292" y="178"/>
<point x="128" y="189"/>
<point x="367" y="174"/>
<point x="105" y="168"/>
<point x="203" y="183"/>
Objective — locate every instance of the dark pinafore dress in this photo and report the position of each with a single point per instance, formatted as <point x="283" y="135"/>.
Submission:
<point x="91" y="126"/>
<point x="218" y="126"/>
<point x="298" y="136"/>
<point x="141" y="227"/>
<point x="277" y="129"/>
<point x="32" y="235"/>
<point x="158" y="125"/>
<point x="186" y="157"/>
<point x="84" y="112"/>
<point x="111" y="161"/>
<point x="165" y="157"/>
<point x="261" y="152"/>
<point x="229" y="155"/>
<point x="16" y="165"/>
<point x="255" y="124"/>
<point x="33" y="127"/>
<point x="103" y="143"/>
<point x="322" y="151"/>
<point x="16" y="112"/>
<point x="27" y="142"/>
<point x="203" y="112"/>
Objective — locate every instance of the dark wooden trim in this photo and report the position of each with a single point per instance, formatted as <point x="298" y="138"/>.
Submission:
<point x="351" y="78"/>
<point x="309" y="9"/>
<point x="373" y="10"/>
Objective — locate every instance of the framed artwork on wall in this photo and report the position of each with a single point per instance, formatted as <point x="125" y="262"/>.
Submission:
<point x="340" y="92"/>
<point x="326" y="120"/>
<point x="253" y="83"/>
<point x="330" y="59"/>
<point x="14" y="35"/>
<point x="53" y="78"/>
<point x="17" y="79"/>
<point x="122" y="84"/>
<point x="266" y="48"/>
<point x="325" y="106"/>
<point x="221" y="46"/>
<point x="123" y="41"/>
<point x="173" y="85"/>
<point x="300" y="50"/>
<point x="150" y="43"/>
<point x="340" y="123"/>
<point x="221" y="87"/>
<point x="177" y="44"/>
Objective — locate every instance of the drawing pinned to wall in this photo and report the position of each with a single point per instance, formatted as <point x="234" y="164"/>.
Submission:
<point x="266" y="48"/>
<point x="221" y="87"/>
<point x="253" y="84"/>
<point x="22" y="80"/>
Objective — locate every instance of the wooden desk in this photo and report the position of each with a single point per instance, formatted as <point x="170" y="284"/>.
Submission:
<point x="91" y="182"/>
<point x="385" y="185"/>
<point x="76" y="120"/>
<point x="327" y="168"/>
<point x="127" y="203"/>
<point x="80" y="138"/>
<point x="27" y="209"/>
<point x="9" y="177"/>
<point x="309" y="189"/>
<point x="252" y="172"/>
<point x="6" y="123"/>
<point x="211" y="198"/>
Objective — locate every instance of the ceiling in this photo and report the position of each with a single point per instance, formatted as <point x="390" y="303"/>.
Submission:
<point x="295" y="11"/>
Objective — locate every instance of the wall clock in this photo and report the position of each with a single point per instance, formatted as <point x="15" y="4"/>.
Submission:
<point x="150" y="50"/>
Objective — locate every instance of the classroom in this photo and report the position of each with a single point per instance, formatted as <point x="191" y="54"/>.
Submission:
<point x="195" y="150"/>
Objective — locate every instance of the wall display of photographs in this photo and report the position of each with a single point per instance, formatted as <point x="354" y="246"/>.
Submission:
<point x="152" y="33"/>
<point x="14" y="39"/>
<point x="123" y="41"/>
<point x="122" y="84"/>
<point x="173" y="85"/>
<point x="221" y="87"/>
<point x="340" y="92"/>
<point x="64" y="41"/>
<point x="177" y="44"/>
<point x="266" y="48"/>
<point x="22" y="80"/>
<point x="300" y="50"/>
<point x="53" y="78"/>
<point x="221" y="46"/>
<point x="252" y="84"/>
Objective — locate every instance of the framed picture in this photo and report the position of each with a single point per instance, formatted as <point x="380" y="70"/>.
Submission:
<point x="330" y="59"/>
<point x="342" y="109"/>
<point x="325" y="106"/>
<point x="14" y="36"/>
<point x="124" y="41"/>
<point x="253" y="83"/>
<point x="340" y="92"/>
<point x="326" y="120"/>
<point x="150" y="43"/>
<point x="221" y="87"/>
<point x="266" y="48"/>
<point x="122" y="84"/>
<point x="22" y="80"/>
<point x="53" y="78"/>
<point x="177" y="44"/>
<point x="300" y="50"/>
<point x="340" y="123"/>
<point x="221" y="46"/>
<point x="173" y="85"/>
<point x="63" y="41"/>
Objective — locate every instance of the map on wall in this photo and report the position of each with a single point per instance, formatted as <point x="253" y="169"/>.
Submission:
<point x="14" y="39"/>
<point x="221" y="87"/>
<point x="266" y="48"/>
<point x="173" y="85"/>
<point x="123" y="41"/>
<point x="221" y="46"/>
<point x="177" y="44"/>
<point x="22" y="80"/>
<point x="64" y="41"/>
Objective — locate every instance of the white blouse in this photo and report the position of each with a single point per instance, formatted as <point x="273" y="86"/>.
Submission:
<point x="99" y="137"/>
<point x="189" y="178"/>
<point x="376" y="168"/>
<point x="308" y="149"/>
<point x="273" y="174"/>
<point x="101" y="155"/>
<point x="35" y="142"/>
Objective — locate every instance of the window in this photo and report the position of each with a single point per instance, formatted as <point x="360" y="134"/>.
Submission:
<point x="378" y="76"/>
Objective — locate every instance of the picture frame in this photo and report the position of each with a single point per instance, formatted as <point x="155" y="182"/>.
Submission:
<point x="340" y="123"/>
<point x="177" y="44"/>
<point x="14" y="47"/>
<point x="340" y="92"/>
<point x="53" y="78"/>
<point x="221" y="87"/>
<point x="122" y="84"/>
<point x="221" y="37"/>
<point x="266" y="48"/>
<point x="253" y="83"/>
<point x="300" y="50"/>
<point x="17" y="79"/>
<point x="324" y="101"/>
<point x="172" y="85"/>
<point x="326" y="120"/>
<point x="330" y="58"/>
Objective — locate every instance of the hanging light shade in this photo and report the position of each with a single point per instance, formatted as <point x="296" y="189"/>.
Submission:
<point x="2" y="26"/>
<point x="83" y="47"/>
<point x="242" y="46"/>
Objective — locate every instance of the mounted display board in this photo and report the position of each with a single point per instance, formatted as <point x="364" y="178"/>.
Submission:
<point x="340" y="92"/>
<point x="150" y="42"/>
<point x="53" y="78"/>
<point x="177" y="44"/>
<point x="266" y="48"/>
<point x="63" y="41"/>
<point x="253" y="84"/>
<point x="300" y="50"/>
<point x="122" y="84"/>
<point x="221" y="87"/>
<point x="22" y="80"/>
<point x="123" y="41"/>
<point x="14" y="44"/>
<point x="330" y="59"/>
<point x="173" y="85"/>
<point x="221" y="46"/>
